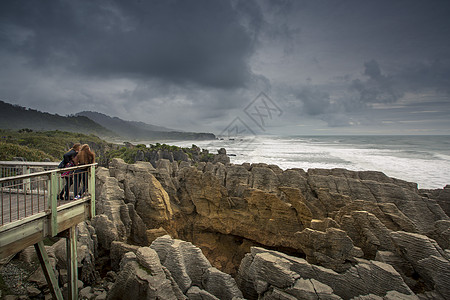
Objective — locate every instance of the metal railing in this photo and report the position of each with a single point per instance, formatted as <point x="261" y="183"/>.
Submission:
<point x="29" y="192"/>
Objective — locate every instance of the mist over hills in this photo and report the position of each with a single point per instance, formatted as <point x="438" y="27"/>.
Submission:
<point x="18" y="117"/>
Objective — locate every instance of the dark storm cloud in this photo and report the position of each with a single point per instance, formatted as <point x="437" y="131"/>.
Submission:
<point x="374" y="87"/>
<point x="191" y="64"/>
<point x="378" y="88"/>
<point x="201" y="42"/>
<point x="421" y="76"/>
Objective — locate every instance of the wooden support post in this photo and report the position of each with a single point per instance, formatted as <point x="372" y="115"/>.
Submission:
<point x="48" y="271"/>
<point x="92" y="190"/>
<point x="72" y="263"/>
<point x="53" y="202"/>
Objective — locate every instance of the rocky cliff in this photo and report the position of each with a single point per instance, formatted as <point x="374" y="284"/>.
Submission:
<point x="336" y="219"/>
<point x="282" y="234"/>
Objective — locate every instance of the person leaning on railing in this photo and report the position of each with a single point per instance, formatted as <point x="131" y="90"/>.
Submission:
<point x="85" y="156"/>
<point x="65" y="163"/>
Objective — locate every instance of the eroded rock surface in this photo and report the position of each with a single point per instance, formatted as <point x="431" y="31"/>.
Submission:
<point x="171" y="269"/>
<point x="266" y="274"/>
<point x="337" y="219"/>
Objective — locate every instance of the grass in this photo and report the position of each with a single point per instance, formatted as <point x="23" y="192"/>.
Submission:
<point x="51" y="145"/>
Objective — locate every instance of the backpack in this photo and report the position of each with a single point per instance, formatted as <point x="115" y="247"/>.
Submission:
<point x="68" y="165"/>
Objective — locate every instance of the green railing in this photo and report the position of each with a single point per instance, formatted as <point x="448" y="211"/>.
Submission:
<point x="32" y="208"/>
<point x="29" y="194"/>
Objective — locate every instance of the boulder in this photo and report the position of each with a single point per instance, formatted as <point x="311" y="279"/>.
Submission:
<point x="332" y="249"/>
<point x="441" y="196"/>
<point x="441" y="233"/>
<point x="143" y="277"/>
<point x="426" y="258"/>
<point x="221" y="157"/>
<point x="264" y="271"/>
<point x="118" y="249"/>
<point x="189" y="267"/>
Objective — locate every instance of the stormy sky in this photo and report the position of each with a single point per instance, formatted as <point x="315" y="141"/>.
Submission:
<point x="324" y="67"/>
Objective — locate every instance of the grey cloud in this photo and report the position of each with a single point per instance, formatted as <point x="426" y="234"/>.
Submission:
<point x="315" y="101"/>
<point x="378" y="88"/>
<point x="192" y="64"/>
<point x="421" y="76"/>
<point x="337" y="120"/>
<point x="201" y="42"/>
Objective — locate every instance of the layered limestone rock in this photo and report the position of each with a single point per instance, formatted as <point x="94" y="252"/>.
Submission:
<point x="333" y="218"/>
<point x="171" y="269"/>
<point x="426" y="258"/>
<point x="143" y="277"/>
<point x="441" y="196"/>
<point x="112" y="222"/>
<point x="332" y="249"/>
<point x="144" y="191"/>
<point x="129" y="199"/>
<point x="190" y="268"/>
<point x="266" y="274"/>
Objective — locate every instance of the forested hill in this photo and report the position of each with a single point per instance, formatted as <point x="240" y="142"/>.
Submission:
<point x="18" y="117"/>
<point x="143" y="131"/>
<point x="117" y="125"/>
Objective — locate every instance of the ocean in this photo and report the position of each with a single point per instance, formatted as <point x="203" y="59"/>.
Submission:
<point x="424" y="160"/>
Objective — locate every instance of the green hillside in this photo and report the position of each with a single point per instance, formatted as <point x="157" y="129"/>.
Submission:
<point x="18" y="117"/>
<point x="142" y="131"/>
<point x="46" y="145"/>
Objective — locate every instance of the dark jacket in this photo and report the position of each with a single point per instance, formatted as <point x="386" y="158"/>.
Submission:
<point x="68" y="156"/>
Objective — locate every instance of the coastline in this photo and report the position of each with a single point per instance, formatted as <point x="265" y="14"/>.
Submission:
<point x="421" y="159"/>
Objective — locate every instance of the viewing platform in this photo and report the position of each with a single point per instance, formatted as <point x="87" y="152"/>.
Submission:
<point x="31" y="210"/>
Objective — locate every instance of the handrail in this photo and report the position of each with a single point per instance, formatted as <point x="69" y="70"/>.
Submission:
<point x="59" y="170"/>
<point x="25" y="195"/>
<point x="50" y="217"/>
<point x="28" y="163"/>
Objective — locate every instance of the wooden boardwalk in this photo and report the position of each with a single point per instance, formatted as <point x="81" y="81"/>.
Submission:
<point x="30" y="211"/>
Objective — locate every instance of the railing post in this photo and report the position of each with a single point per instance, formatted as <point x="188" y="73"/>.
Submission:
<point x="92" y="190"/>
<point x="52" y="200"/>
<point x="26" y="182"/>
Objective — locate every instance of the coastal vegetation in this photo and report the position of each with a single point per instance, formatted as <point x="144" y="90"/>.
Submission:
<point x="45" y="145"/>
<point x="51" y="145"/>
<point x="16" y="117"/>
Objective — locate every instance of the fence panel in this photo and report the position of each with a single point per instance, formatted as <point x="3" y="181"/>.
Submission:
<point x="24" y="195"/>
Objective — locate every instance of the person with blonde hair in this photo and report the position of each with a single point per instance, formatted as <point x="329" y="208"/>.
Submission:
<point x="84" y="157"/>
